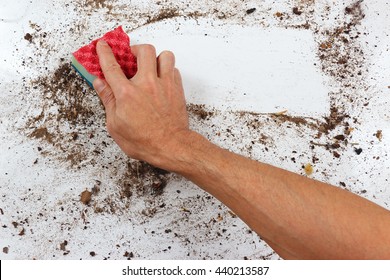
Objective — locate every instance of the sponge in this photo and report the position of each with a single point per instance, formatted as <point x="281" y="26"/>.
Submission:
<point x="86" y="61"/>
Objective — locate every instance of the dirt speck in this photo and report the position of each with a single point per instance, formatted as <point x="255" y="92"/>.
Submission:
<point x="28" y="37"/>
<point x="128" y="255"/>
<point x="379" y="135"/>
<point x="296" y="11"/>
<point x="340" y="137"/>
<point x="85" y="197"/>
<point x="279" y="15"/>
<point x="250" y="11"/>
<point x="358" y="151"/>
<point x="355" y="9"/>
<point x="96" y="187"/>
<point x="5" y="250"/>
<point x="308" y="169"/>
<point x="63" y="245"/>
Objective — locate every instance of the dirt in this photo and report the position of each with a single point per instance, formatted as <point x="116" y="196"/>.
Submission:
<point x="69" y="111"/>
<point x="28" y="37"/>
<point x="308" y="169"/>
<point x="250" y="11"/>
<point x="63" y="247"/>
<point x="379" y="135"/>
<point x="163" y="14"/>
<point x="200" y="111"/>
<point x="99" y="4"/>
<point x="128" y="255"/>
<point x="85" y="197"/>
<point x="342" y="58"/>
<point x="67" y="90"/>
<point x="296" y="11"/>
<point x="358" y="151"/>
<point x="43" y="134"/>
<point x="355" y="9"/>
<point x="279" y="15"/>
<point x="298" y="121"/>
<point x="142" y="179"/>
<point x="22" y="232"/>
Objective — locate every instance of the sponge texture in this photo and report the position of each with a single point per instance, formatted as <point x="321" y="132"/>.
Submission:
<point x="87" y="58"/>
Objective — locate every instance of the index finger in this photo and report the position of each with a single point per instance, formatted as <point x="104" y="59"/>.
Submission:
<point x="111" y="69"/>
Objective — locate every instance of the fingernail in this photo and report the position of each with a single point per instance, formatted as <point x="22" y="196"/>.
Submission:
<point x="102" y="43"/>
<point x="99" y="85"/>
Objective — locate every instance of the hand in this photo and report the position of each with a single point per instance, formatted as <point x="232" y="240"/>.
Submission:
<point x="145" y="115"/>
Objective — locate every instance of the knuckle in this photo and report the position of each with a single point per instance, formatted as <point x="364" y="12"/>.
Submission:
<point x="106" y="95"/>
<point x="123" y="90"/>
<point x="150" y="78"/>
<point x="149" y="48"/>
<point x="147" y="79"/>
<point x="168" y="54"/>
<point x="112" y="67"/>
<point x="108" y="99"/>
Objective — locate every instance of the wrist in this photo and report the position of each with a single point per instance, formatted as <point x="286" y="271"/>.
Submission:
<point x="179" y="152"/>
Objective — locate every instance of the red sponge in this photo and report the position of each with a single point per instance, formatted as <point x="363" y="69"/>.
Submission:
<point x="119" y="42"/>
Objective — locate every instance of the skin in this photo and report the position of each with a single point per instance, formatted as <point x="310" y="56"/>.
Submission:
<point x="298" y="217"/>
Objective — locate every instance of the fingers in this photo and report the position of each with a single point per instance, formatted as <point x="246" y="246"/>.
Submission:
<point x="165" y="64"/>
<point x="179" y="85"/>
<point x="146" y="59"/>
<point x="177" y="77"/>
<point x="105" y="93"/>
<point x="111" y="69"/>
<point x="148" y="65"/>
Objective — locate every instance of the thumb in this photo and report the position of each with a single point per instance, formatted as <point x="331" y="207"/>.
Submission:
<point x="105" y="93"/>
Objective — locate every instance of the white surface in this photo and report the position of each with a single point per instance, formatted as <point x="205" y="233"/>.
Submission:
<point x="47" y="193"/>
<point x="12" y="11"/>
<point x="234" y="67"/>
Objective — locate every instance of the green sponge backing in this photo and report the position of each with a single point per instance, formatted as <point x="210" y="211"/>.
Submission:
<point x="83" y="72"/>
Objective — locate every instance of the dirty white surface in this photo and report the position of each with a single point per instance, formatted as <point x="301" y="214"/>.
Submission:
<point x="247" y="66"/>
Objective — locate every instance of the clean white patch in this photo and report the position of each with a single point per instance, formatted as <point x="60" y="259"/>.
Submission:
<point x="243" y="68"/>
<point x="12" y="11"/>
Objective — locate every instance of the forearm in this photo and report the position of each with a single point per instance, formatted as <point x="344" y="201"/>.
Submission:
<point x="297" y="216"/>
